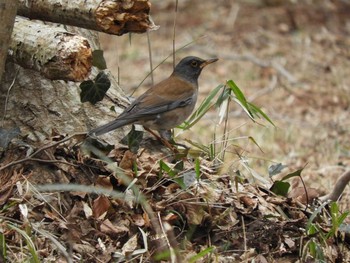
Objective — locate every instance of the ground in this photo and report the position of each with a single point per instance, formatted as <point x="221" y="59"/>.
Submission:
<point x="292" y="59"/>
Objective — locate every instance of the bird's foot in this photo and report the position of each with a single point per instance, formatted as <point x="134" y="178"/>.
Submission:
<point x="166" y="138"/>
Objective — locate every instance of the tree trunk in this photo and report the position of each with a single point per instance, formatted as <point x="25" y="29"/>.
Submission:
<point x="8" y="9"/>
<point x="41" y="107"/>
<point x="50" y="49"/>
<point x="111" y="17"/>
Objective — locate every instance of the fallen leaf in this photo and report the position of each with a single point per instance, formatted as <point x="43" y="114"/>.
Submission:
<point x="87" y="210"/>
<point x="109" y="228"/>
<point x="138" y="220"/>
<point x="127" y="163"/>
<point x="100" y="206"/>
<point x="301" y="194"/>
<point x="130" y="246"/>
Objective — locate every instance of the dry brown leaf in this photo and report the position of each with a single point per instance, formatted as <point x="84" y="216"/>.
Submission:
<point x="147" y="220"/>
<point x="104" y="182"/>
<point x="84" y="248"/>
<point x="171" y="217"/>
<point x="76" y="211"/>
<point x="289" y="242"/>
<point x="249" y="202"/>
<point x="130" y="246"/>
<point x="87" y="210"/>
<point x="109" y="228"/>
<point x="195" y="213"/>
<point x="127" y="163"/>
<point x="267" y="208"/>
<point x="138" y="219"/>
<point x="299" y="194"/>
<point x="73" y="233"/>
<point x="100" y="206"/>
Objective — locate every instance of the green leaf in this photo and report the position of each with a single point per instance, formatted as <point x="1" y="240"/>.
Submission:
<point x="200" y="255"/>
<point x="342" y="217"/>
<point x="254" y="141"/>
<point x="171" y="172"/>
<point x="98" y="60"/>
<point x="238" y="93"/>
<point x="280" y="188"/>
<point x="164" y="167"/>
<point x="314" y="215"/>
<point x="197" y="168"/>
<point x="133" y="139"/>
<point x="3" y="248"/>
<point x="29" y="242"/>
<point x="179" y="166"/>
<point x="94" y="91"/>
<point x="251" y="109"/>
<point x="256" y="111"/>
<point x="223" y="96"/>
<point x="297" y="173"/>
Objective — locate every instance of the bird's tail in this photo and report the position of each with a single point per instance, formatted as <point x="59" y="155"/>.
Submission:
<point x="109" y="127"/>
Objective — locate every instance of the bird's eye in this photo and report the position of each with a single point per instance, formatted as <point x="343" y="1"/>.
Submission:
<point x="194" y="64"/>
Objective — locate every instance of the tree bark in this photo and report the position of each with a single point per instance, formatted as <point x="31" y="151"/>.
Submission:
<point x="8" y="9"/>
<point x="41" y="107"/>
<point x="51" y="50"/>
<point x="112" y="17"/>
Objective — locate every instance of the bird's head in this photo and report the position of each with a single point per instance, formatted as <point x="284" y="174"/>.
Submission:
<point x="189" y="68"/>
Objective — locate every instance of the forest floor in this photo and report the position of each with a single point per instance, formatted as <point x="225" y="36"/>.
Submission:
<point x="290" y="59"/>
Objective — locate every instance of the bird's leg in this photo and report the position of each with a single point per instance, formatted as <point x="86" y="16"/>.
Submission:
<point x="164" y="140"/>
<point x="167" y="135"/>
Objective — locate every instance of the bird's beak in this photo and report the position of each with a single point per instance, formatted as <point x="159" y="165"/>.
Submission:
<point x="209" y="61"/>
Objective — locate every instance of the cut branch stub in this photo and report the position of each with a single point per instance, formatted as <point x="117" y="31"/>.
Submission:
<point x="51" y="50"/>
<point x="115" y="17"/>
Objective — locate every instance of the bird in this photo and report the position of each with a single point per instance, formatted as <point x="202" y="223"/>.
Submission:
<point x="166" y="104"/>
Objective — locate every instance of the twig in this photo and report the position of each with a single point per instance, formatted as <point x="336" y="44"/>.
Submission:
<point x="51" y="161"/>
<point x="150" y="56"/>
<point x="174" y="32"/>
<point x="338" y="188"/>
<point x="7" y="97"/>
<point x="244" y="235"/>
<point x="166" y="228"/>
<point x="30" y="157"/>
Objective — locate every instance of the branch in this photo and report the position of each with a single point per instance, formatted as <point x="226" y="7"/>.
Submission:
<point x="108" y="16"/>
<point x="338" y="188"/>
<point x="51" y="50"/>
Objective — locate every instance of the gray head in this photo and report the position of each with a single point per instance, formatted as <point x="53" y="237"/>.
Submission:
<point x="189" y="68"/>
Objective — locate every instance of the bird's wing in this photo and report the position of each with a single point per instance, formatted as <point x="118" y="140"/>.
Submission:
<point x="167" y="95"/>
